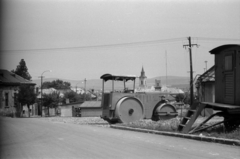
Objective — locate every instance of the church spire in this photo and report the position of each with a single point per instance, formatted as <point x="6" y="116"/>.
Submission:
<point x="142" y="69"/>
<point x="143" y="73"/>
<point x="142" y="79"/>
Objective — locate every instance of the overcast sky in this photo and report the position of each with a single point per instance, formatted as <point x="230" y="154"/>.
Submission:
<point x="63" y="35"/>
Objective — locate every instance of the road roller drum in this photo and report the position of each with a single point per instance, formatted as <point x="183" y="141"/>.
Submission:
<point x="129" y="109"/>
<point x="164" y="111"/>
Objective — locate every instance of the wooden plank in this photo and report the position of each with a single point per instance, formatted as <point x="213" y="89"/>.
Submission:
<point x="221" y="105"/>
<point x="189" y="124"/>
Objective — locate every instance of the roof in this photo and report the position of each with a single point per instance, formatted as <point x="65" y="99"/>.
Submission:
<point x="143" y="74"/>
<point x="209" y="75"/>
<point x="9" y="78"/>
<point x="222" y="47"/>
<point x="91" y="104"/>
<point x="107" y="77"/>
<point x="71" y="104"/>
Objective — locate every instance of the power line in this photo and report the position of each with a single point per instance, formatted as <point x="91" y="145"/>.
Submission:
<point x="132" y="44"/>
<point x="101" y="46"/>
<point x="215" y="39"/>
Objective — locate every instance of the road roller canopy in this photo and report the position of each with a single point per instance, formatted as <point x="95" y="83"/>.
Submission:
<point x="107" y="77"/>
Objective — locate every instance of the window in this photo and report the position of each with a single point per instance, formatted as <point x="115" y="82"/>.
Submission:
<point x="228" y="63"/>
<point x="6" y="99"/>
<point x="15" y="99"/>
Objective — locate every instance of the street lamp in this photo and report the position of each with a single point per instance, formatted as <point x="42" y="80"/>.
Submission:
<point x="206" y="65"/>
<point x="85" y="83"/>
<point x="41" y="87"/>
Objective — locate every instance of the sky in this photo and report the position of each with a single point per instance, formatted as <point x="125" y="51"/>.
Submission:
<point x="79" y="39"/>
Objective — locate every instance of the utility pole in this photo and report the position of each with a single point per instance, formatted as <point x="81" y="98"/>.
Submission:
<point x="85" y="81"/>
<point x="206" y="65"/>
<point x="42" y="89"/>
<point x="191" y="68"/>
<point x="166" y="67"/>
<point x="41" y="94"/>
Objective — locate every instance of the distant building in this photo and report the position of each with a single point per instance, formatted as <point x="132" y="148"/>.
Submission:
<point x="78" y="90"/>
<point x="205" y="86"/>
<point x="158" y="85"/>
<point x="156" y="88"/>
<point x="91" y="109"/>
<point x="46" y="91"/>
<point x="9" y="87"/>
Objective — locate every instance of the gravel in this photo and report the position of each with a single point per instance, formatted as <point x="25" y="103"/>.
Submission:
<point x="78" y="120"/>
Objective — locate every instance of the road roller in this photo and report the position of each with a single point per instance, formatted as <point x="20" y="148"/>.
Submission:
<point x="126" y="105"/>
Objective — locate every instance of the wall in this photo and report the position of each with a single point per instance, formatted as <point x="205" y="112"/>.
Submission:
<point x="66" y="111"/>
<point x="91" y="112"/>
<point x="52" y="111"/>
<point x="238" y="77"/>
<point x="219" y="89"/>
<point x="10" y="109"/>
<point x="33" y="110"/>
<point x="220" y="77"/>
<point x="209" y="92"/>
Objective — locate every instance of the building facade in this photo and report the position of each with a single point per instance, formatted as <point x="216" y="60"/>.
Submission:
<point x="9" y="87"/>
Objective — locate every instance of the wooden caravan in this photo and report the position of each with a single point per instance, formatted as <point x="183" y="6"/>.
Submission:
<point x="227" y="91"/>
<point x="227" y="63"/>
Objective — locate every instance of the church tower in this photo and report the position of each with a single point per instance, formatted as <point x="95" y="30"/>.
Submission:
<point x="143" y="79"/>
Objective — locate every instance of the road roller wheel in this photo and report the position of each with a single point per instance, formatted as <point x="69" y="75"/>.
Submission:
<point x="129" y="109"/>
<point x="164" y="111"/>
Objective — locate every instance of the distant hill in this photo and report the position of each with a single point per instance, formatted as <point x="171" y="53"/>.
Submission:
<point x="174" y="81"/>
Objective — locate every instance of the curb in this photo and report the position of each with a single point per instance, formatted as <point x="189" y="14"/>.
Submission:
<point x="187" y="136"/>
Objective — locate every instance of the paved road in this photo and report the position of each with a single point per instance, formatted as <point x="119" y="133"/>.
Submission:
<point x="36" y="138"/>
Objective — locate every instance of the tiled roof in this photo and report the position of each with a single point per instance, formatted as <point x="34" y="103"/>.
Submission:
<point x="9" y="78"/>
<point x="91" y="104"/>
<point x="209" y="75"/>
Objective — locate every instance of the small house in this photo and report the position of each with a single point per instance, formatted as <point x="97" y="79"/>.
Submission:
<point x="206" y="89"/>
<point x="91" y="109"/>
<point x="69" y="110"/>
<point x="9" y="87"/>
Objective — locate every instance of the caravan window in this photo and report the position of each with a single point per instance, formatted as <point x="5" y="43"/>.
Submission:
<point x="228" y="63"/>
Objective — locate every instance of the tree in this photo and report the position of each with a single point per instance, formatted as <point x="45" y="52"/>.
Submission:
<point x="57" y="84"/>
<point x="22" y="70"/>
<point x="26" y="96"/>
<point x="179" y="97"/>
<point x="72" y="96"/>
<point x="26" y="93"/>
<point x="51" y="100"/>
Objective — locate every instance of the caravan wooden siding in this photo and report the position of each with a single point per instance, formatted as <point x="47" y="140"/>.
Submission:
<point x="227" y="71"/>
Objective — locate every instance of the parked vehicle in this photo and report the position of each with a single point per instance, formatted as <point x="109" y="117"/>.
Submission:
<point x="126" y="105"/>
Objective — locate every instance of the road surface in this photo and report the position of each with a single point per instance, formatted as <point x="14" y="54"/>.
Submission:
<point x="30" y="138"/>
